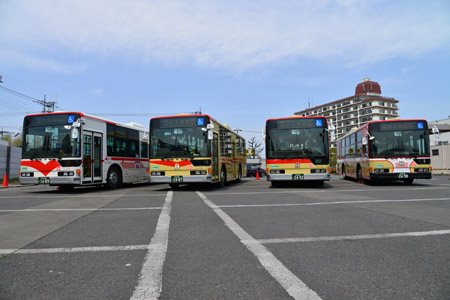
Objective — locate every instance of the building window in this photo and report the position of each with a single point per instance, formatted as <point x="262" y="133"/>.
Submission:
<point x="435" y="152"/>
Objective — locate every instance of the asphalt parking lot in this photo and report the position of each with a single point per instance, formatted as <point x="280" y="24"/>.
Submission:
<point x="246" y="241"/>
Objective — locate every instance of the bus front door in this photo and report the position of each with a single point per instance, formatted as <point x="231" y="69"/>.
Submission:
<point x="92" y="157"/>
<point x="215" y="157"/>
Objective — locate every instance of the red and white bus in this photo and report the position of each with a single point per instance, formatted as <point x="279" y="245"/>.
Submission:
<point x="386" y="150"/>
<point x="69" y="149"/>
<point x="297" y="149"/>
<point x="189" y="149"/>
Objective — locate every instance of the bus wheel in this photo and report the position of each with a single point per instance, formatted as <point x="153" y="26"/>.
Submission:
<point x="65" y="188"/>
<point x="223" y="177"/>
<point x="359" y="175"/>
<point x="408" y="181"/>
<point x="113" y="180"/>
<point x="343" y="172"/>
<point x="174" y="186"/>
<point x="239" y="174"/>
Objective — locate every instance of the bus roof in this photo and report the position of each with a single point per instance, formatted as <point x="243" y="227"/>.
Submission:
<point x="381" y="121"/>
<point x="199" y="115"/>
<point x="130" y="125"/>
<point x="296" y="117"/>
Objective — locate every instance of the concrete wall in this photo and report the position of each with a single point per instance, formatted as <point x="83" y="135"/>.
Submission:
<point x="10" y="160"/>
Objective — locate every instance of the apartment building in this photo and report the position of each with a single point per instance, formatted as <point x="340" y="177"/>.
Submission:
<point x="366" y="105"/>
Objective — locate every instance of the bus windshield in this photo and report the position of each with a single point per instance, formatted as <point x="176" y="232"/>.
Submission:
<point x="297" y="143"/>
<point x="187" y="142"/>
<point x="399" y="143"/>
<point x="50" y="141"/>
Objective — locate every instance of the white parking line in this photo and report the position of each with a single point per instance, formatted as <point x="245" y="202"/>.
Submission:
<point x="355" y="237"/>
<point x="329" y="203"/>
<point x="77" y="209"/>
<point x="326" y="190"/>
<point x="73" y="250"/>
<point x="150" y="278"/>
<point x="291" y="283"/>
<point x="81" y="196"/>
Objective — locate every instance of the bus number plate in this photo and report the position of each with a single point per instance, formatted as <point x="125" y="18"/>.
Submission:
<point x="402" y="175"/>
<point x="176" y="179"/>
<point x="43" y="180"/>
<point x="298" y="176"/>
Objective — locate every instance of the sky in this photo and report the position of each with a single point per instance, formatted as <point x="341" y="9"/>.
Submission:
<point x="240" y="61"/>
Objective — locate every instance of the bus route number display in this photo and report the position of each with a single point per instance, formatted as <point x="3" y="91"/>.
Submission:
<point x="409" y="125"/>
<point x="298" y="123"/>
<point x="181" y="122"/>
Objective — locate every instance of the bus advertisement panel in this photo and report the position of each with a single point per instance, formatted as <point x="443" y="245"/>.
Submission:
<point x="386" y="150"/>
<point x="69" y="149"/>
<point x="297" y="149"/>
<point x="194" y="149"/>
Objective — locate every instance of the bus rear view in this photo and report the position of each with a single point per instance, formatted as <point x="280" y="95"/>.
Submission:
<point x="297" y="149"/>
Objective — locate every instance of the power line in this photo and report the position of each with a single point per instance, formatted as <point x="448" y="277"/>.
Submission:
<point x="47" y="106"/>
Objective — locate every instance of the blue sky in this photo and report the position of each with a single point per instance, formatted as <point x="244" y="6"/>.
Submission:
<point x="240" y="61"/>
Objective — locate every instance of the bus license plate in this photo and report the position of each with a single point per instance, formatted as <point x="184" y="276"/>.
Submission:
<point x="176" y="179"/>
<point x="298" y="176"/>
<point x="43" y="180"/>
<point x="402" y="175"/>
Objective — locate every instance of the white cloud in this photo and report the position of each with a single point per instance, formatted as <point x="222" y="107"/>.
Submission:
<point x="233" y="35"/>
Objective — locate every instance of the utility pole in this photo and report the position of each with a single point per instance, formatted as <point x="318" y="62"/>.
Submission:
<point x="47" y="107"/>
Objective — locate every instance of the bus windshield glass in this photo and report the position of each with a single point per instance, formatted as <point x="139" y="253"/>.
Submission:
<point x="183" y="142"/>
<point x="50" y="136"/>
<point x="399" y="141"/>
<point x="297" y="143"/>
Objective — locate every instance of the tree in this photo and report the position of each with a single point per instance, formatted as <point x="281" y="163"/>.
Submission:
<point x="254" y="146"/>
<point x="15" y="142"/>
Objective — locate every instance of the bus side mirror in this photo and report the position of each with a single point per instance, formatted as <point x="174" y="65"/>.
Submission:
<point x="210" y="135"/>
<point x="364" y="141"/>
<point x="74" y="133"/>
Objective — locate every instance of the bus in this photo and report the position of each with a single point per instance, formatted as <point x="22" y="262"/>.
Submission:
<point x="386" y="150"/>
<point x="71" y="149"/>
<point x="187" y="149"/>
<point x="297" y="149"/>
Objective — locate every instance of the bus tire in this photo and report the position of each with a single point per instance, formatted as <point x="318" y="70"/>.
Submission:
<point x="359" y="174"/>
<point x="65" y="188"/>
<point x="174" y="186"/>
<point x="408" y="181"/>
<point x="114" y="179"/>
<point x="343" y="172"/>
<point x="223" y="177"/>
<point x="239" y="178"/>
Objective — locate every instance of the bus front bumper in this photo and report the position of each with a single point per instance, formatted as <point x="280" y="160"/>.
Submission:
<point x="51" y="180"/>
<point x="288" y="177"/>
<point x="399" y="176"/>
<point x="184" y="179"/>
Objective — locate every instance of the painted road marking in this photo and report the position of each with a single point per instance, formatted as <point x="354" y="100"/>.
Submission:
<point x="330" y="203"/>
<point x="355" y="237"/>
<point x="81" y="196"/>
<point x="327" y="190"/>
<point x="73" y="250"/>
<point x="150" y="278"/>
<point x="291" y="283"/>
<point x="77" y="209"/>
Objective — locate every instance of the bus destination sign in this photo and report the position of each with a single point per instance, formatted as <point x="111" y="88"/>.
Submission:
<point x="399" y="125"/>
<point x="51" y="119"/>
<point x="296" y="123"/>
<point x="180" y="122"/>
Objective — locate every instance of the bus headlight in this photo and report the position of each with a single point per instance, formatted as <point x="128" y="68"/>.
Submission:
<point x="421" y="170"/>
<point x="318" y="170"/>
<point x="27" y="174"/>
<point x="198" y="172"/>
<point x="276" y="171"/>
<point x="158" y="173"/>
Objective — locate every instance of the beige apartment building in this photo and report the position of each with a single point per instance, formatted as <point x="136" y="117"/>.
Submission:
<point x="367" y="104"/>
